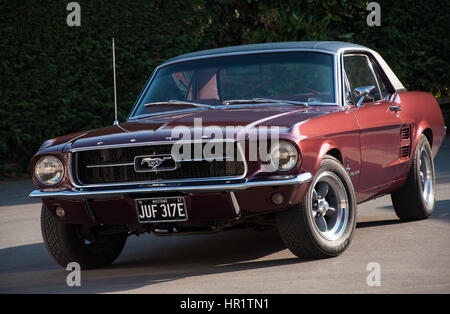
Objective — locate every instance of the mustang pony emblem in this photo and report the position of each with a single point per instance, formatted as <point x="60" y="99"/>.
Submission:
<point x="153" y="163"/>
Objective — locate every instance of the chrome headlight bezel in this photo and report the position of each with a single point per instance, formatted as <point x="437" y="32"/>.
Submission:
<point x="287" y="163"/>
<point x="49" y="170"/>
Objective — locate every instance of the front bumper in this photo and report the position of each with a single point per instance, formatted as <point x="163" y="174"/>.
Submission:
<point x="204" y="203"/>
<point x="161" y="187"/>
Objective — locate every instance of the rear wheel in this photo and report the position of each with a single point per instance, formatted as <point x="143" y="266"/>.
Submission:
<point x="323" y="224"/>
<point x="86" y="245"/>
<point x="415" y="200"/>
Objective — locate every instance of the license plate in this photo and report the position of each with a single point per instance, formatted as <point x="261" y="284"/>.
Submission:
<point x="165" y="209"/>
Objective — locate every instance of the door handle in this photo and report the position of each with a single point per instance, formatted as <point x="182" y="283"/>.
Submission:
<point x="395" y="108"/>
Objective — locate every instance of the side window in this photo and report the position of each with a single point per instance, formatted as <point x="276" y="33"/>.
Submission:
<point x="359" y="73"/>
<point x="347" y="90"/>
<point x="385" y="86"/>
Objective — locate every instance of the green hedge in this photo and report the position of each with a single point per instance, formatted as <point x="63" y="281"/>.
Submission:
<point x="57" y="79"/>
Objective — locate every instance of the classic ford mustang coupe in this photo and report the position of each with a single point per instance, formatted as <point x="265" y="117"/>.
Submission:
<point x="292" y="135"/>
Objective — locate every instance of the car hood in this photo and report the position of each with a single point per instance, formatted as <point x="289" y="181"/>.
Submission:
<point x="161" y="127"/>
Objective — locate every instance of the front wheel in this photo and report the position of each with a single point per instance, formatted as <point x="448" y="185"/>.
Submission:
<point x="86" y="245"/>
<point x="415" y="200"/>
<point x="323" y="224"/>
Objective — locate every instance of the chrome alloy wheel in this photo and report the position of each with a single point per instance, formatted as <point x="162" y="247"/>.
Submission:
<point x="426" y="176"/>
<point x="330" y="205"/>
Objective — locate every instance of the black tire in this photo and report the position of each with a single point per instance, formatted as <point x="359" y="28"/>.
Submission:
<point x="409" y="201"/>
<point x="66" y="244"/>
<point x="297" y="225"/>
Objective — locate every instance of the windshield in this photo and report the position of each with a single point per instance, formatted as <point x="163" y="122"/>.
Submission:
<point x="292" y="76"/>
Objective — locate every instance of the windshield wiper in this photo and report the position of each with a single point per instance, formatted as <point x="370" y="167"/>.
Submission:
<point x="264" y="100"/>
<point x="249" y="101"/>
<point x="291" y="102"/>
<point x="179" y="102"/>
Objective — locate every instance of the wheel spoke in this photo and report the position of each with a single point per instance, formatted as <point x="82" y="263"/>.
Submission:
<point x="331" y="211"/>
<point x="314" y="195"/>
<point x="314" y="203"/>
<point x="321" y="223"/>
<point x="323" y="189"/>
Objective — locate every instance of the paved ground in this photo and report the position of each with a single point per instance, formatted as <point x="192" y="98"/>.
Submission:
<point x="414" y="257"/>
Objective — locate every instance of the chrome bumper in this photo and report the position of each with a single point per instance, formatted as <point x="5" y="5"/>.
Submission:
<point x="81" y="193"/>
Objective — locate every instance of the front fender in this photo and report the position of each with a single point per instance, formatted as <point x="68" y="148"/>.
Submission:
<point x="337" y="132"/>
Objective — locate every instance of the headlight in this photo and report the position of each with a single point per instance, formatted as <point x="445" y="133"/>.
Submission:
<point x="49" y="170"/>
<point x="284" y="156"/>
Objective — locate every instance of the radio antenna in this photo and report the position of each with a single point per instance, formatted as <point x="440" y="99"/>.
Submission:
<point x="116" y="121"/>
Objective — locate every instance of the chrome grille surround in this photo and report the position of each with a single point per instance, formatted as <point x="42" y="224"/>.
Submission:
<point x="73" y="167"/>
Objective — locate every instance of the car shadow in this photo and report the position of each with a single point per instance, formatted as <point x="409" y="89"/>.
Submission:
<point x="441" y="211"/>
<point x="368" y="224"/>
<point x="145" y="261"/>
<point x="149" y="260"/>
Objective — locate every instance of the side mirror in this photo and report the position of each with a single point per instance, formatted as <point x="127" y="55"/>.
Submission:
<point x="364" y="93"/>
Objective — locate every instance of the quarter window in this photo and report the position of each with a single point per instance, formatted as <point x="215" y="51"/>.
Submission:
<point x="359" y="73"/>
<point x="385" y="88"/>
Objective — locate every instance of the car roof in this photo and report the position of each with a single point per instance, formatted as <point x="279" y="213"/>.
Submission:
<point x="330" y="46"/>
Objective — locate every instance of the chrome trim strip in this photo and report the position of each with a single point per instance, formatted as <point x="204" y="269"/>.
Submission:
<point x="80" y="193"/>
<point x="110" y="165"/>
<point x="241" y="153"/>
<point x="207" y="159"/>
<point x="234" y="201"/>
<point x="180" y="160"/>
<point x="337" y="81"/>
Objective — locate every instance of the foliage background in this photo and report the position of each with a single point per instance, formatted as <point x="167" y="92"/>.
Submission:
<point x="56" y="79"/>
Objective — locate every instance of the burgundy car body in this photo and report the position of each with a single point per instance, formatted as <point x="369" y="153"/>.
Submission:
<point x="373" y="143"/>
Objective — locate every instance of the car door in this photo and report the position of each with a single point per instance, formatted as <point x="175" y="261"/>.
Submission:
<point x="379" y="121"/>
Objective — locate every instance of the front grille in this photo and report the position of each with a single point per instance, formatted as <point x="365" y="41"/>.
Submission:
<point x="116" y="165"/>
